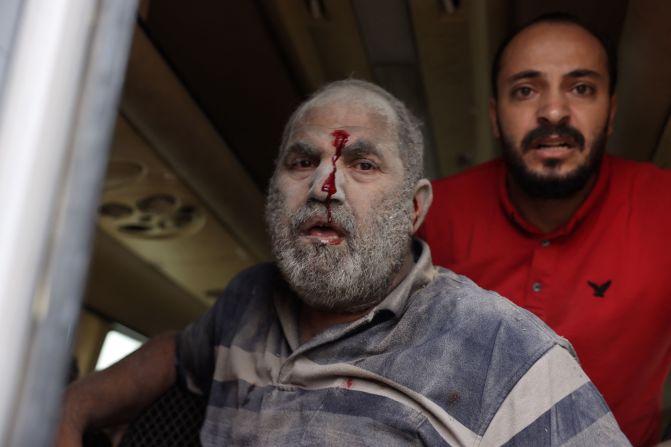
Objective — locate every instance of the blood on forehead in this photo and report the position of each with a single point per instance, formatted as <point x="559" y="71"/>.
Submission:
<point x="340" y="138"/>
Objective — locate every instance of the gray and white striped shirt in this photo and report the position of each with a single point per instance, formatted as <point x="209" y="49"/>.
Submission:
<point x="439" y="362"/>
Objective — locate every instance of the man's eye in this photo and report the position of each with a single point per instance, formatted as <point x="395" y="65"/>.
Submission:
<point x="522" y="92"/>
<point x="583" y="89"/>
<point x="364" y="165"/>
<point x="302" y="163"/>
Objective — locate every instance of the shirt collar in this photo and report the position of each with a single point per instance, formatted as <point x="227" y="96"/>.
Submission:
<point x="593" y="200"/>
<point x="420" y="275"/>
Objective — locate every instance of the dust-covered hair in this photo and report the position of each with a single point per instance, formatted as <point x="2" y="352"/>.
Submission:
<point x="410" y="139"/>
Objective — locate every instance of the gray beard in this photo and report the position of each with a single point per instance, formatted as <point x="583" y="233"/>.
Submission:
<point x="354" y="275"/>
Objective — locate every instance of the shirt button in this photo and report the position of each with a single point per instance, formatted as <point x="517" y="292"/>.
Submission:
<point x="545" y="243"/>
<point x="536" y="286"/>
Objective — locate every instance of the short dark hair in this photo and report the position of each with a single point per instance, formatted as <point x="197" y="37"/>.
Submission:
<point x="558" y="17"/>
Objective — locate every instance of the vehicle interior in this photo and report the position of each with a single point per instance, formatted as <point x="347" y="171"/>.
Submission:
<point x="210" y="84"/>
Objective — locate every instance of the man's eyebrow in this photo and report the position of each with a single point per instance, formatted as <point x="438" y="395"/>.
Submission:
<point x="362" y="148"/>
<point x="300" y="148"/>
<point x="526" y="74"/>
<point x="578" y="73"/>
<point x="583" y="73"/>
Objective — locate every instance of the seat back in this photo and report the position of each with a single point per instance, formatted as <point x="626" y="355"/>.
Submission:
<point x="174" y="420"/>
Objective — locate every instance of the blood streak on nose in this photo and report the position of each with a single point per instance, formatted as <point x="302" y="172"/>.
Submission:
<point x="340" y="138"/>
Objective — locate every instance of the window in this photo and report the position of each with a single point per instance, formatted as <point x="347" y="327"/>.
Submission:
<point x="119" y="342"/>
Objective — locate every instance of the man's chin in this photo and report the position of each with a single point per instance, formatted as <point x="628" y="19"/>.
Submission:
<point x="552" y="169"/>
<point x="314" y="258"/>
<point x="552" y="183"/>
<point x="550" y="174"/>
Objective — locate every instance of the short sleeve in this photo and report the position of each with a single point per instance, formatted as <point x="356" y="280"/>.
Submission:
<point x="197" y="343"/>
<point x="554" y="403"/>
<point x="195" y="353"/>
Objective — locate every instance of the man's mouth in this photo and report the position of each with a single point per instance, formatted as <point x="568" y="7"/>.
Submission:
<point x="321" y="230"/>
<point x="554" y="147"/>
<point x="554" y="142"/>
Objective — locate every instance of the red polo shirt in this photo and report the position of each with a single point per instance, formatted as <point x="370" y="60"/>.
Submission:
<point x="603" y="280"/>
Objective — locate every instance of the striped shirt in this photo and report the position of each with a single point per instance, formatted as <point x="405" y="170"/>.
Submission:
<point x="439" y="361"/>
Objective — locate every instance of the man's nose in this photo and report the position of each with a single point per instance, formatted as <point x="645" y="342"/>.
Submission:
<point x="323" y="180"/>
<point x="553" y="109"/>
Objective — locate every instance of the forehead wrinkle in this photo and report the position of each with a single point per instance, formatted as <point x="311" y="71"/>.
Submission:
<point x="355" y="97"/>
<point x="306" y="127"/>
<point x="376" y="108"/>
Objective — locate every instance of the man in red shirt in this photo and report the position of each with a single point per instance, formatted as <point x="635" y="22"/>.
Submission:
<point x="580" y="238"/>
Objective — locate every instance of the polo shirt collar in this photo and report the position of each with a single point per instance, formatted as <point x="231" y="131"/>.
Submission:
<point x="420" y="275"/>
<point x="593" y="200"/>
<point x="423" y="271"/>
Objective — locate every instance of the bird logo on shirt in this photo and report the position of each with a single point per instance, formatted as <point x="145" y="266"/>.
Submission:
<point x="599" y="289"/>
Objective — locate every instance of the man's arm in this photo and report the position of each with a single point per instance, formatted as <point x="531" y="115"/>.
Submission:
<point x="119" y="392"/>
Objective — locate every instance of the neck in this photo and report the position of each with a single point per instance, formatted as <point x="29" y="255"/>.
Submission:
<point x="312" y="322"/>
<point x="547" y="214"/>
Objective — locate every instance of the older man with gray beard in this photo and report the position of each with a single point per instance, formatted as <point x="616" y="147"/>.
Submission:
<point x="353" y="337"/>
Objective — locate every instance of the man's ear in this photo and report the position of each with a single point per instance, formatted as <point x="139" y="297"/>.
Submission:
<point x="611" y="114"/>
<point x="421" y="202"/>
<point x="493" y="117"/>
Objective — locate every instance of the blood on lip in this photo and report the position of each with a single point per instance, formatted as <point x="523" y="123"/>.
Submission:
<point x="340" y="138"/>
